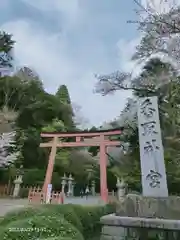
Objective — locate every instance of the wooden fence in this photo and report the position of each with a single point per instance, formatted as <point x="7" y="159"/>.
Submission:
<point x="7" y="191"/>
<point x="36" y="195"/>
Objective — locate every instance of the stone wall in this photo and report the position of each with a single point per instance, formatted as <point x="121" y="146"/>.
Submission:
<point x="138" y="218"/>
<point x="135" y="228"/>
<point x="138" y="206"/>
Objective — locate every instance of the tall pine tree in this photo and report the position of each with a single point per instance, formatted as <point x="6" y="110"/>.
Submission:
<point x="68" y="115"/>
<point x="63" y="94"/>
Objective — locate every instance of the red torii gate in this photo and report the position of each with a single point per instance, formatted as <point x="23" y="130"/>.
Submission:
<point x="82" y="139"/>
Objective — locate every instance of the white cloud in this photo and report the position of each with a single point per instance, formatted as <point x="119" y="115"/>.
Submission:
<point x="35" y="48"/>
<point x="126" y="50"/>
<point x="51" y="55"/>
<point x="70" y="11"/>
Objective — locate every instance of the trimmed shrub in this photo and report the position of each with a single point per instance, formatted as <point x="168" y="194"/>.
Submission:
<point x="85" y="219"/>
<point x="40" y="227"/>
<point x="110" y="208"/>
<point x="90" y="218"/>
<point x="59" y="238"/>
<point x="91" y="214"/>
<point x="21" y="214"/>
<point x="67" y="211"/>
<point x="44" y="210"/>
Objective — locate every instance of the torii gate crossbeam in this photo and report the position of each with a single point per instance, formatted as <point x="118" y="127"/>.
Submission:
<point x="82" y="139"/>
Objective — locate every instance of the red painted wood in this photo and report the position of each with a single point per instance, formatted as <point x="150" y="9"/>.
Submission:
<point x="82" y="134"/>
<point x="96" y="139"/>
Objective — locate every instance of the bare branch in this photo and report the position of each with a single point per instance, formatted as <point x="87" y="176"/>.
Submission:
<point x="117" y="81"/>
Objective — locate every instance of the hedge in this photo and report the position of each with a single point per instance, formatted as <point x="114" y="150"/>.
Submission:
<point x="67" y="211"/>
<point x="40" y="227"/>
<point x="44" y="210"/>
<point x="21" y="214"/>
<point x="74" y="220"/>
<point x="90" y="217"/>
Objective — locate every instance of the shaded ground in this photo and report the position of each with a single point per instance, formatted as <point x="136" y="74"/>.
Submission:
<point x="7" y="205"/>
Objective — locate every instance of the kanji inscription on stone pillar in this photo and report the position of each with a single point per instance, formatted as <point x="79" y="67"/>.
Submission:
<point x="153" y="172"/>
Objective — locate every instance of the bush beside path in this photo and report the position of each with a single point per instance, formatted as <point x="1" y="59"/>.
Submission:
<point x="54" y="222"/>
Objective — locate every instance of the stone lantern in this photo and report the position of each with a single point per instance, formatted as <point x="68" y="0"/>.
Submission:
<point x="93" y="188"/>
<point x="17" y="182"/>
<point x="121" y="188"/>
<point x="70" y="185"/>
<point x="64" y="182"/>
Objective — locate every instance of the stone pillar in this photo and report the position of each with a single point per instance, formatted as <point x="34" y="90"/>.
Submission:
<point x="63" y="183"/>
<point x="70" y="181"/>
<point x="93" y="188"/>
<point x="73" y="184"/>
<point x="18" y="181"/>
<point x="121" y="188"/>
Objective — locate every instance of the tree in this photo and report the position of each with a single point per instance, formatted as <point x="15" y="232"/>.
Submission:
<point x="63" y="95"/>
<point x="160" y="34"/>
<point x="55" y="126"/>
<point x="6" y="45"/>
<point x="26" y="74"/>
<point x="159" y="76"/>
<point x="27" y="110"/>
<point x="167" y="91"/>
<point x="8" y="114"/>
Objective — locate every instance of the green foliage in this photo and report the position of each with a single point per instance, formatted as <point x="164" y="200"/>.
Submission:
<point x="32" y="110"/>
<point x="63" y="94"/>
<point x="55" y="126"/>
<point x="90" y="217"/>
<point x="20" y="214"/>
<point x="62" y="158"/>
<point x="35" y="111"/>
<point x="5" y="49"/>
<point x="40" y="227"/>
<point x="54" y="222"/>
<point x="33" y="176"/>
<point x="67" y="211"/>
<point x="160" y="79"/>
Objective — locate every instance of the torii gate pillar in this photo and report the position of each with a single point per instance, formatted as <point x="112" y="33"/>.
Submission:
<point x="103" y="171"/>
<point x="50" y="166"/>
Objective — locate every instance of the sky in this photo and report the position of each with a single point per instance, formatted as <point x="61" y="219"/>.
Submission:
<point x="69" y="41"/>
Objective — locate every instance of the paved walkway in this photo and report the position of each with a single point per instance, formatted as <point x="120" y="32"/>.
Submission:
<point x="7" y="205"/>
<point x="83" y="201"/>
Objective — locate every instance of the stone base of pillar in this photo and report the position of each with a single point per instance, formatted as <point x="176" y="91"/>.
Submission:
<point x="140" y="218"/>
<point x="111" y="230"/>
<point x="134" y="228"/>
